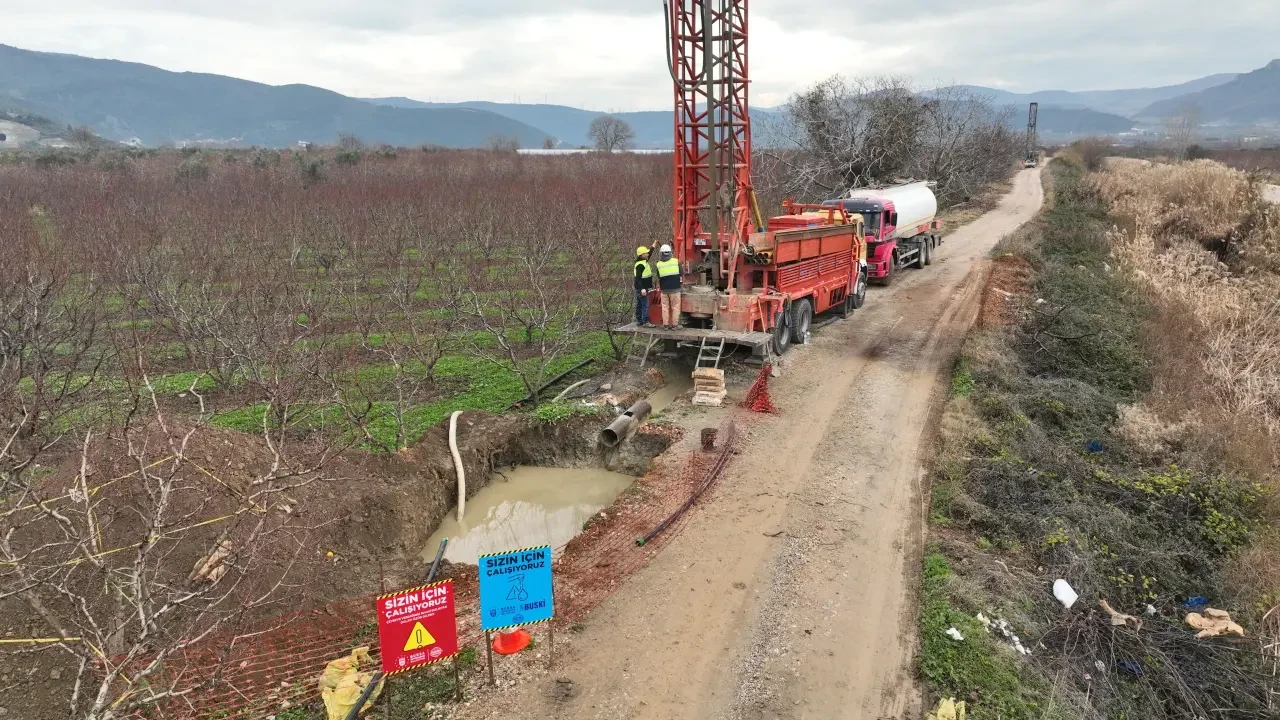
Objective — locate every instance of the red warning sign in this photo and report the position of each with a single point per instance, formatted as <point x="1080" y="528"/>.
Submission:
<point x="417" y="627"/>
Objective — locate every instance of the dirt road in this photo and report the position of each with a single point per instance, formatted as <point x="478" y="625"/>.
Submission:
<point x="789" y="593"/>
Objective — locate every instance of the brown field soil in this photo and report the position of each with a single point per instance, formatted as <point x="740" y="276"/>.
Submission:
<point x="1005" y="295"/>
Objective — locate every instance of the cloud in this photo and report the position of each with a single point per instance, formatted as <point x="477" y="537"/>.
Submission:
<point x="608" y="54"/>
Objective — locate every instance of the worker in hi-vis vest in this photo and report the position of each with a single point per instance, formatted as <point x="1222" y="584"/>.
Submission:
<point x="644" y="286"/>
<point x="669" y="283"/>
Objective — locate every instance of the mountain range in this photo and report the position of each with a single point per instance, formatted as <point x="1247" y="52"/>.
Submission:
<point x="1125" y="103"/>
<point x="1249" y="99"/>
<point x="125" y="101"/>
<point x="132" y="102"/>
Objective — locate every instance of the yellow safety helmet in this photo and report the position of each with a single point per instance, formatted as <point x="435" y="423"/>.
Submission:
<point x="642" y="251"/>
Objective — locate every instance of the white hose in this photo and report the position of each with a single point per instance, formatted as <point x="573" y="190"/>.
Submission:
<point x="457" y="463"/>
<point x="571" y="388"/>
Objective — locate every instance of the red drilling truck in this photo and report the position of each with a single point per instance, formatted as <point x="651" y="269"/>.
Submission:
<point x="744" y="281"/>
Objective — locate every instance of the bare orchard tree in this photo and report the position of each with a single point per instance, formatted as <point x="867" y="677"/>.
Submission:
<point x="405" y="324"/>
<point x="143" y="562"/>
<point x="182" y="296"/>
<point x="51" y="357"/>
<point x="604" y="261"/>
<point x="525" y="306"/>
<point x="502" y="143"/>
<point x="841" y="134"/>
<point x="611" y="133"/>
<point x="1183" y="129"/>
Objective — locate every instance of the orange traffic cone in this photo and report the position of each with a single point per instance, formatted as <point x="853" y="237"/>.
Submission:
<point x="510" y="643"/>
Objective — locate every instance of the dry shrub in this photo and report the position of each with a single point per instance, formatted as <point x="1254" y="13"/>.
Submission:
<point x="1151" y="435"/>
<point x="1203" y="241"/>
<point x="1092" y="152"/>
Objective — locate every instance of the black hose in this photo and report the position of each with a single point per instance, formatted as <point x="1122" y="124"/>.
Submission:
<point x="711" y="478"/>
<point x="435" y="564"/>
<point x="671" y="68"/>
<point x="364" y="696"/>
<point x="552" y="381"/>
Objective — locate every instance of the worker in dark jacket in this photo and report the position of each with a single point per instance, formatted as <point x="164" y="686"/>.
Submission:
<point x="644" y="284"/>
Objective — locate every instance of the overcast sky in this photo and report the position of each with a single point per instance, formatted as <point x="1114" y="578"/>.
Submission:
<point x="608" y="54"/>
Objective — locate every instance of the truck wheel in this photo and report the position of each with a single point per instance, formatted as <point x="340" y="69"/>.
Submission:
<point x="781" y="334"/>
<point x="801" y="319"/>
<point x="927" y="249"/>
<point x="860" y="290"/>
<point x="919" y="262"/>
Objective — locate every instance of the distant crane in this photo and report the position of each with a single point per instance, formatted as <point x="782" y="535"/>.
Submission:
<point x="1033" y="155"/>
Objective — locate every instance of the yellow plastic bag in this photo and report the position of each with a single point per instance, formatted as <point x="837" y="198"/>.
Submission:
<point x="341" y="684"/>
<point x="948" y="709"/>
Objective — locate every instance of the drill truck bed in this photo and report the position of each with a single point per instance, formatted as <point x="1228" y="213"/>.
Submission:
<point x="807" y="262"/>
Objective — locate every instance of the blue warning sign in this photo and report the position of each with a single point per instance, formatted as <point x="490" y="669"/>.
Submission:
<point x="515" y="588"/>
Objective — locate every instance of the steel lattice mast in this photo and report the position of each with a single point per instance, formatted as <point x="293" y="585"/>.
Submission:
<point x="712" y="188"/>
<point x="1031" y="128"/>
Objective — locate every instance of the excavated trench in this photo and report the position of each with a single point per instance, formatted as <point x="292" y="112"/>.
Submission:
<point x="528" y="483"/>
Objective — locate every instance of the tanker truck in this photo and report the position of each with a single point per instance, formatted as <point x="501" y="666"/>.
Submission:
<point x="901" y="226"/>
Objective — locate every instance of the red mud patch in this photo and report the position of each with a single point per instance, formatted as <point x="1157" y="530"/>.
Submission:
<point x="1005" y="295"/>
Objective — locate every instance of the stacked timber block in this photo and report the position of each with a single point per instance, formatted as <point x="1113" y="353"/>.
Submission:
<point x="708" y="387"/>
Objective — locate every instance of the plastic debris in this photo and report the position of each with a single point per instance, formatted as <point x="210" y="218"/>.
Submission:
<point x="1197" y="603"/>
<point x="1151" y="609"/>
<point x="1118" y="618"/>
<point x="213" y="566"/>
<point x="1003" y="627"/>
<point x="1062" y="590"/>
<point x="1214" y="623"/>
<point x="948" y="709"/>
<point x="342" y="683"/>
<point x="954" y="634"/>
<point x="1096" y="446"/>
<point x="1100" y="665"/>
<point x="1133" y="667"/>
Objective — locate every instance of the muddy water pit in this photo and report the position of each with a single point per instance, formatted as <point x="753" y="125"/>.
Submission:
<point x="527" y="507"/>
<point x="548" y="494"/>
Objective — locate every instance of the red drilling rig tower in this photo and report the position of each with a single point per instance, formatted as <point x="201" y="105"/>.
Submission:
<point x="707" y="54"/>
<point x="743" y="283"/>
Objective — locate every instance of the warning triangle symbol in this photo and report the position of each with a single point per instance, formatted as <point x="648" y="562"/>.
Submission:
<point x="418" y="638"/>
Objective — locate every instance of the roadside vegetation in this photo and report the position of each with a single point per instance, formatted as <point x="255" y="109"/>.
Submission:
<point x="1118" y="433"/>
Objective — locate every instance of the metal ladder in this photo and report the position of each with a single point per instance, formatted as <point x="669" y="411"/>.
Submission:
<point x="638" y="341"/>
<point x="709" y="356"/>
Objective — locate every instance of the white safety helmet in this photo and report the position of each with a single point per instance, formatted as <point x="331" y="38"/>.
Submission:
<point x="665" y="249"/>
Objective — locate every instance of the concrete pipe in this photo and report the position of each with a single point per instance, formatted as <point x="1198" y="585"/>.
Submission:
<point x="625" y="425"/>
